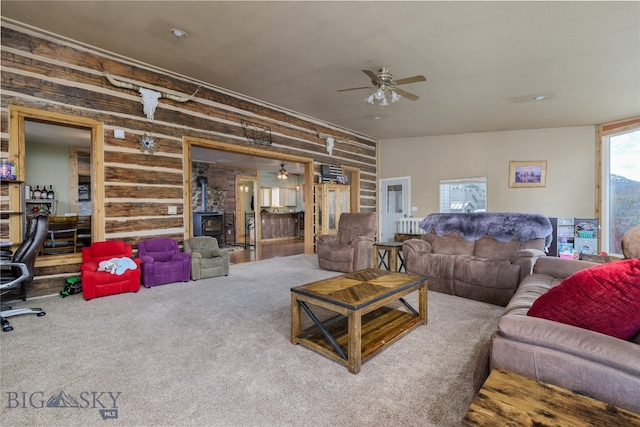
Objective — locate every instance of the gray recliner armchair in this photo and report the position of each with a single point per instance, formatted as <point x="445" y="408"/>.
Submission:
<point x="18" y="271"/>
<point x="351" y="249"/>
<point x="207" y="259"/>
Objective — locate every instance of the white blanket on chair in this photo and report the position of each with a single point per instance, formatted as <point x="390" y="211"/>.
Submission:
<point x="117" y="265"/>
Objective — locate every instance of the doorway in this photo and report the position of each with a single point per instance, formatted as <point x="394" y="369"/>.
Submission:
<point x="255" y="153"/>
<point x="246" y="188"/>
<point x="23" y="121"/>
<point x="395" y="199"/>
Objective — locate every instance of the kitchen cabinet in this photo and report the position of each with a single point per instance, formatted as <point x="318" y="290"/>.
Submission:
<point x="278" y="197"/>
<point x="288" y="196"/>
<point x="265" y="197"/>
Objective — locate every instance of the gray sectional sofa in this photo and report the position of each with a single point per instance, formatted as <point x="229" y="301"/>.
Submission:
<point x="573" y="358"/>
<point x="515" y="274"/>
<point x="481" y="256"/>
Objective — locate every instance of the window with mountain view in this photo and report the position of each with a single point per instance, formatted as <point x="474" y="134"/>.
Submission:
<point x="620" y="201"/>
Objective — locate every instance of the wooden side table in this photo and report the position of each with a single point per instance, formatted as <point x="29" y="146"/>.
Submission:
<point x="387" y="254"/>
<point x="507" y="398"/>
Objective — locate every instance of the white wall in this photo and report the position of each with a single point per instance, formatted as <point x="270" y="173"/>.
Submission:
<point x="48" y="164"/>
<point x="569" y="152"/>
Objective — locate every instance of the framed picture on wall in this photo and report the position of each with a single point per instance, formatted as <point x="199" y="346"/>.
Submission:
<point x="528" y="174"/>
<point x="84" y="192"/>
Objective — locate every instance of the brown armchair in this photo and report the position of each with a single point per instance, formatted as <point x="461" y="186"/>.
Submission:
<point x="352" y="248"/>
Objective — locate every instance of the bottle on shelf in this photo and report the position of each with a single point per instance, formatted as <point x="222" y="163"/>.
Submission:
<point x="37" y="193"/>
<point x="51" y="195"/>
<point x="44" y="193"/>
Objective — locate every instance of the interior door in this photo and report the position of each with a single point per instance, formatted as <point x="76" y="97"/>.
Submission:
<point x="245" y="208"/>
<point x="394" y="205"/>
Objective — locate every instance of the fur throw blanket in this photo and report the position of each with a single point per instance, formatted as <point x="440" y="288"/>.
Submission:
<point x="501" y="226"/>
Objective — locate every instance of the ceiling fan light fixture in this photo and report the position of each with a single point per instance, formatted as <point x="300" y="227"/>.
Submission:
<point x="384" y="87"/>
<point x="282" y="173"/>
<point x="380" y="93"/>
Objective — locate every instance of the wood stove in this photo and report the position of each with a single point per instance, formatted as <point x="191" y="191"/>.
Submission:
<point x="207" y="223"/>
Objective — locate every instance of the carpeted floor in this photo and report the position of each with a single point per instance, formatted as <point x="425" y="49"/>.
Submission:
<point x="217" y="352"/>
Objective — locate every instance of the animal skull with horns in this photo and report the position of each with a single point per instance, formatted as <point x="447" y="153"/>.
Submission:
<point x="149" y="97"/>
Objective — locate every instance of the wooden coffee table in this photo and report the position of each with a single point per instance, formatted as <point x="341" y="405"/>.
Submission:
<point x="366" y="321"/>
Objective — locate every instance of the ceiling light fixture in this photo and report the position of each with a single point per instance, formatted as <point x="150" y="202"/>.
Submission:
<point x="539" y="98"/>
<point x="178" y="33"/>
<point x="282" y="173"/>
<point x="381" y="92"/>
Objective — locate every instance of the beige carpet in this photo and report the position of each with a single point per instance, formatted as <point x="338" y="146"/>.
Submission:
<point x="217" y="352"/>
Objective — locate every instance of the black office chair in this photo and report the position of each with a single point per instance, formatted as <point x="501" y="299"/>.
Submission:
<point x="18" y="271"/>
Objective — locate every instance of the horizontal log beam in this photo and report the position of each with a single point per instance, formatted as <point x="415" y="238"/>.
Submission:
<point x="117" y="226"/>
<point x="141" y="176"/>
<point x="142" y="192"/>
<point x="139" y="209"/>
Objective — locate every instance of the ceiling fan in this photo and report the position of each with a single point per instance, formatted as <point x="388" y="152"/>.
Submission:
<point x="282" y="173"/>
<point x="385" y="83"/>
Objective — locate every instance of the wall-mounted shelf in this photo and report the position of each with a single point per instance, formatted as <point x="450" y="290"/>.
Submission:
<point x="13" y="208"/>
<point x="50" y="204"/>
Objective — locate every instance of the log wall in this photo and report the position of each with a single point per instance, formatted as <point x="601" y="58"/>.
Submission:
<point x="49" y="73"/>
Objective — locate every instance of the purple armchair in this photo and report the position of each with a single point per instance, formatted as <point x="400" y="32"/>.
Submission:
<point x="162" y="262"/>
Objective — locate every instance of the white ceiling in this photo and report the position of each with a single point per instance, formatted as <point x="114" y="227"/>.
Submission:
<point x="46" y="133"/>
<point x="484" y="61"/>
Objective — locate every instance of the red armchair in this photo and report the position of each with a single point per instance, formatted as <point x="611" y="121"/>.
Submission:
<point x="102" y="283"/>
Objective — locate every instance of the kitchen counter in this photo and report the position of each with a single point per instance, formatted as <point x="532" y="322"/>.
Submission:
<point x="279" y="213"/>
<point x="279" y="225"/>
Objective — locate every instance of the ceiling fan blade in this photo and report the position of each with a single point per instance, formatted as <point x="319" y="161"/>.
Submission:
<point x="373" y="76"/>
<point x="354" y="88"/>
<point x="407" y="95"/>
<point x="413" y="79"/>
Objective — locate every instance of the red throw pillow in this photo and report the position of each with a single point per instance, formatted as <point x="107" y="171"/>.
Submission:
<point x="604" y="298"/>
